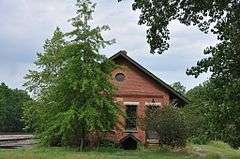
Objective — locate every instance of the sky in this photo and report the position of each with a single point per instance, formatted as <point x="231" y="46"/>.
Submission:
<point x="25" y="24"/>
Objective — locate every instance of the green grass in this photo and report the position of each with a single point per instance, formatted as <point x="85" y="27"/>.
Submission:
<point x="214" y="150"/>
<point x="60" y="153"/>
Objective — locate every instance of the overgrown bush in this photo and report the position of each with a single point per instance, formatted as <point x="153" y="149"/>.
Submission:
<point x="169" y="124"/>
<point x="107" y="144"/>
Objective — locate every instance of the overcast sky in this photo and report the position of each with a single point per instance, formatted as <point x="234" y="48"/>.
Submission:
<point x="25" y="24"/>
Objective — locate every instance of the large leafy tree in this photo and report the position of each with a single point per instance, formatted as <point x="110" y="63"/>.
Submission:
<point x="11" y="108"/>
<point x="72" y="86"/>
<point x="222" y="18"/>
<point x="198" y="112"/>
<point x="215" y="112"/>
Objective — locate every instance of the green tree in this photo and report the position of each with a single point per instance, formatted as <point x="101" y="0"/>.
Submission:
<point x="217" y="115"/>
<point x="197" y="112"/>
<point x="222" y="18"/>
<point x="179" y="87"/>
<point x="11" y="104"/>
<point x="31" y="115"/>
<point x="73" y="88"/>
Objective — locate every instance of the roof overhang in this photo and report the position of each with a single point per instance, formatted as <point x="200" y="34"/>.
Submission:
<point x="159" y="81"/>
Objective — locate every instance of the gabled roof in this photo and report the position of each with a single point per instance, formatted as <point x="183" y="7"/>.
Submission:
<point x="130" y="135"/>
<point x="159" y="81"/>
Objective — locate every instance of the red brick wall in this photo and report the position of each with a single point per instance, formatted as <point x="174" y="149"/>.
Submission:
<point x="137" y="87"/>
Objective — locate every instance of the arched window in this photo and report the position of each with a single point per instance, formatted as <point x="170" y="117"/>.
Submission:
<point x="120" y="77"/>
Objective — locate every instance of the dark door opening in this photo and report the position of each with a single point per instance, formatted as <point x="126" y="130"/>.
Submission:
<point x="129" y="143"/>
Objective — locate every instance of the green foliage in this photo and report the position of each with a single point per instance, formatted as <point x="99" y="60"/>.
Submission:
<point x="222" y="18"/>
<point x="107" y="144"/>
<point x="179" y="87"/>
<point x="195" y="113"/>
<point x="198" y="129"/>
<point x="30" y="115"/>
<point x="170" y="125"/>
<point x="72" y="87"/>
<point x="222" y="93"/>
<point x="217" y="113"/>
<point x="11" y="104"/>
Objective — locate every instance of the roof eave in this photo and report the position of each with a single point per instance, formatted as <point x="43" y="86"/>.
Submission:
<point x="174" y="92"/>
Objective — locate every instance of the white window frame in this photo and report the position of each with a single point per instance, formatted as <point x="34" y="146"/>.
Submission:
<point x="131" y="103"/>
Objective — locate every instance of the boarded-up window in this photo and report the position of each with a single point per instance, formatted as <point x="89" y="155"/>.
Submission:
<point x="152" y="113"/>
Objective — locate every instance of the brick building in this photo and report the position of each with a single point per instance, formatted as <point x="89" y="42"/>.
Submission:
<point x="137" y="89"/>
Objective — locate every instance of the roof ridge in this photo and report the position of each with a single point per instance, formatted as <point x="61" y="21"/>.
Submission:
<point x="123" y="53"/>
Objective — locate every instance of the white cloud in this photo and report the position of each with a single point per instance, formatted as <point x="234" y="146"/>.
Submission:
<point x="25" y="24"/>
